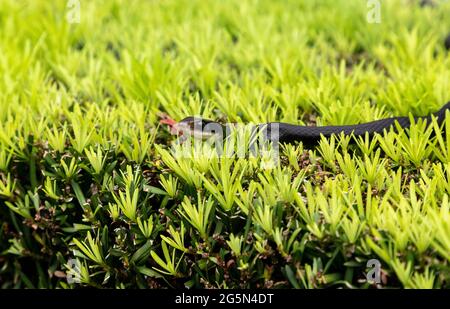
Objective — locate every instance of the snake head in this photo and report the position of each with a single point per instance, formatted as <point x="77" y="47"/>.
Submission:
<point x="191" y="126"/>
<point x="199" y="128"/>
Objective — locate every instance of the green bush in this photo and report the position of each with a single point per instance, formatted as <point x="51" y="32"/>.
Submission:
<point x="93" y="194"/>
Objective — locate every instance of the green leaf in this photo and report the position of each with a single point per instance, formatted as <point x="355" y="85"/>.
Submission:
<point x="154" y="190"/>
<point x="141" y="254"/>
<point x="291" y="277"/>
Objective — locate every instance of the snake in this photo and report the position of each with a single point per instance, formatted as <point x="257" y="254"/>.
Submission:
<point x="281" y="132"/>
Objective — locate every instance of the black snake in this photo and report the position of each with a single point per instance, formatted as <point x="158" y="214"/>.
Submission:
<point x="287" y="133"/>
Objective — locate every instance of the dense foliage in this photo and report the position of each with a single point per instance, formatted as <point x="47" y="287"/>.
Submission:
<point x="92" y="191"/>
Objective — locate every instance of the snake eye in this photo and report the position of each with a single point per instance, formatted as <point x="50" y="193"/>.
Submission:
<point x="191" y="124"/>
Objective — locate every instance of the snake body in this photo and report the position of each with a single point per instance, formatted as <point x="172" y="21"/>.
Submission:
<point x="288" y="133"/>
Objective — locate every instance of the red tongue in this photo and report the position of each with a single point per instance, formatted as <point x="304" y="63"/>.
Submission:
<point x="172" y="125"/>
<point x="168" y="121"/>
